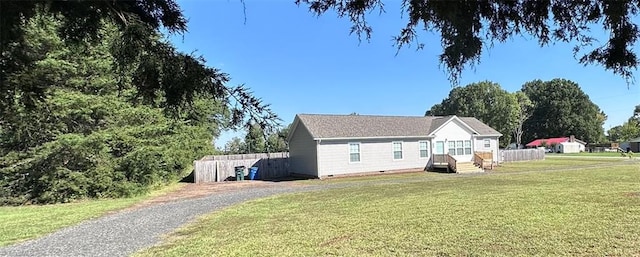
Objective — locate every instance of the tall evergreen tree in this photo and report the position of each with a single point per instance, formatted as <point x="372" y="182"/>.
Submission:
<point x="93" y="132"/>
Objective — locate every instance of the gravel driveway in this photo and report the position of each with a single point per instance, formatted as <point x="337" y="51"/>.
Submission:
<point x="123" y="233"/>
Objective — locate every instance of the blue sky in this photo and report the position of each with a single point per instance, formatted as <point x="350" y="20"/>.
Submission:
<point x="300" y="63"/>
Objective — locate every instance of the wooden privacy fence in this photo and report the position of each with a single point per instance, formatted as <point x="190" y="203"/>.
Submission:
<point x="521" y="155"/>
<point x="217" y="168"/>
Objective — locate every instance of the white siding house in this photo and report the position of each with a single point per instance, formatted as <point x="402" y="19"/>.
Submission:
<point x="338" y="156"/>
<point x="303" y="151"/>
<point x="328" y="145"/>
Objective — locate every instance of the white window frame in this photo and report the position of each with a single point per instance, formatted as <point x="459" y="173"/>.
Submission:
<point x="470" y="148"/>
<point x="359" y="152"/>
<point x="393" y="151"/>
<point x="450" y="148"/>
<point x="486" y="143"/>
<point x="460" y="147"/>
<point x="420" y="149"/>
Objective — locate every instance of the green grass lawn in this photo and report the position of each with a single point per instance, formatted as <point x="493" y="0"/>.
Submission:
<point x="579" y="212"/>
<point x="27" y="222"/>
<point x="551" y="163"/>
<point x="373" y="177"/>
<point x="598" y="154"/>
<point x="541" y="165"/>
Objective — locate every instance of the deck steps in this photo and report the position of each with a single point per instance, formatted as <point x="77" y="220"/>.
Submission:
<point x="467" y="167"/>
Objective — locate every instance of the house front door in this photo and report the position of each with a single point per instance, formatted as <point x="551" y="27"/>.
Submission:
<point x="439" y="147"/>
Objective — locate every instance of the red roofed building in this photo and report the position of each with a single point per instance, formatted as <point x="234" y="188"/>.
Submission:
<point x="559" y="144"/>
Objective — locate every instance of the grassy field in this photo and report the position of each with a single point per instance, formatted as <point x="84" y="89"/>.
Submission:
<point x="578" y="212"/>
<point x="27" y="222"/>
<point x="558" y="163"/>
<point x="525" y="166"/>
<point x="598" y="154"/>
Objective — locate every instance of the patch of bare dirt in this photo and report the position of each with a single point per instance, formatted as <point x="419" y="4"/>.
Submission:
<point x="336" y="240"/>
<point x="632" y="194"/>
<point x="192" y="190"/>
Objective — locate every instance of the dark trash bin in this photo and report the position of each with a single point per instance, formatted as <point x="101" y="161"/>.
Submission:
<point x="239" y="173"/>
<point x="253" y="173"/>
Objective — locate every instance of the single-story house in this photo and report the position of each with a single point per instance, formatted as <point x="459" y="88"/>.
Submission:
<point x="631" y="145"/>
<point x="327" y="145"/>
<point x="560" y="144"/>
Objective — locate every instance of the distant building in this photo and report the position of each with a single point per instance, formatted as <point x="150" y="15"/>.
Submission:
<point x="631" y="145"/>
<point x="559" y="144"/>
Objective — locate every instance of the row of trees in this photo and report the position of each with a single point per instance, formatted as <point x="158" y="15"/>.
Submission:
<point x="541" y="109"/>
<point x="76" y="121"/>
<point x="630" y="129"/>
<point x="256" y="141"/>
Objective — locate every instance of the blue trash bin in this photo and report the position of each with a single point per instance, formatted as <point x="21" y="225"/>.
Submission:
<point x="253" y="173"/>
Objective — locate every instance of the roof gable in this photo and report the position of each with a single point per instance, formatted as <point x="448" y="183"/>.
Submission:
<point x="448" y="120"/>
<point x="322" y="126"/>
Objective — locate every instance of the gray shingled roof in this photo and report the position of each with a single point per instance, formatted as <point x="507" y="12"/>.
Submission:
<point x="479" y="126"/>
<point x="359" y="126"/>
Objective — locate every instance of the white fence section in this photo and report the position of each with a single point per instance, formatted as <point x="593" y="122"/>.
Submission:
<point x="521" y="155"/>
<point x="217" y="168"/>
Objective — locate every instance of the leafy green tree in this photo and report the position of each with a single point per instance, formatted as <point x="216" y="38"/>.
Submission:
<point x="621" y="133"/>
<point x="277" y="142"/>
<point x="628" y="130"/>
<point x="468" y="27"/>
<point x="235" y="146"/>
<point x="561" y="108"/>
<point x="255" y="140"/>
<point x="486" y="101"/>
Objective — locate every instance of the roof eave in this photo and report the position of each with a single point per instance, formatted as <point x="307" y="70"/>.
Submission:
<point x="489" y="135"/>
<point x="357" y="138"/>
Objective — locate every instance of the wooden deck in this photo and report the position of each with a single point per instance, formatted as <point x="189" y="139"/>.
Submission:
<point x="481" y="161"/>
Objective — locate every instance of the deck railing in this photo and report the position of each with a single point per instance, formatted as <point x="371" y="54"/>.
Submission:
<point x="439" y="158"/>
<point x="484" y="160"/>
<point x="452" y="163"/>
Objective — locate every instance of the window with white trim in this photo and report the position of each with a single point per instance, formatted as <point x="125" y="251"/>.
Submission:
<point x="424" y="149"/>
<point x="459" y="147"/>
<point x="487" y="143"/>
<point x="467" y="147"/>
<point x="397" y="150"/>
<point x="452" y="147"/>
<point x="354" y="152"/>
